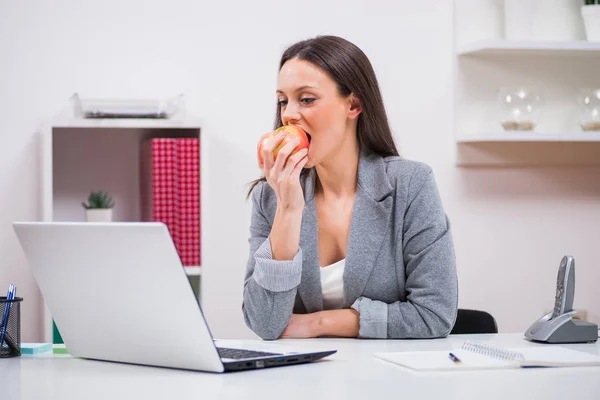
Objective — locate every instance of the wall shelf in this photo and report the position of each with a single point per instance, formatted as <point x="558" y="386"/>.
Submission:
<point x="506" y="47"/>
<point x="193" y="271"/>
<point x="557" y="69"/>
<point x="117" y="123"/>
<point x="529" y="137"/>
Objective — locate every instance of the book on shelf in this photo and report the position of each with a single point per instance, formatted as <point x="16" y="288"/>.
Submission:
<point x="188" y="195"/>
<point x="170" y="186"/>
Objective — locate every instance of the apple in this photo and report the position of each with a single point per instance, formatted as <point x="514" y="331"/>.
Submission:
<point x="291" y="131"/>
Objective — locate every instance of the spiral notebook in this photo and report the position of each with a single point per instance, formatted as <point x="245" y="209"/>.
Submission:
<point x="480" y="356"/>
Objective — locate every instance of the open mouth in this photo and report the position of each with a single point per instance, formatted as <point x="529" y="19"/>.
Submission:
<point x="309" y="137"/>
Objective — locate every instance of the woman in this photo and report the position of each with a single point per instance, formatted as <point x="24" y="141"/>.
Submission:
<point x="347" y="238"/>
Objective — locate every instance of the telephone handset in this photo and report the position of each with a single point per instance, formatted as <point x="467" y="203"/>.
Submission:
<point x="565" y="287"/>
<point x="559" y="325"/>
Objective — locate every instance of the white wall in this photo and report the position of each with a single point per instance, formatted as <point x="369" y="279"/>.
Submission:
<point x="510" y="226"/>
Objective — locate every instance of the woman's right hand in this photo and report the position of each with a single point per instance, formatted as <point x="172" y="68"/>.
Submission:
<point x="283" y="173"/>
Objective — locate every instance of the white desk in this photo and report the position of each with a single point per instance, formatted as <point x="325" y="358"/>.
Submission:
<point x="352" y="373"/>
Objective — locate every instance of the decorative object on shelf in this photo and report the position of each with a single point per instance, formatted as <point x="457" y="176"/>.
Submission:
<point x="478" y="20"/>
<point x="590" y="13"/>
<point x="589" y="102"/>
<point x="99" y="208"/>
<point x="518" y="19"/>
<point x="554" y="20"/>
<point x="520" y="107"/>
<point x="558" y="20"/>
<point x="127" y="108"/>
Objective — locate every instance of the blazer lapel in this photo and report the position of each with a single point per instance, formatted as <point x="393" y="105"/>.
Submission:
<point x="310" y="290"/>
<point x="368" y="227"/>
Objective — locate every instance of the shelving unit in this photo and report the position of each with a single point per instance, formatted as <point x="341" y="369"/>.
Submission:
<point x="507" y="47"/>
<point x="80" y="155"/>
<point x="532" y="136"/>
<point x="558" y="69"/>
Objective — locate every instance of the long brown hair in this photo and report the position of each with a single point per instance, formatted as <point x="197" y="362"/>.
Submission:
<point x="353" y="74"/>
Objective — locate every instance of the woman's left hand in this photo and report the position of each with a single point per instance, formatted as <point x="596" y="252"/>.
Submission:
<point x="302" y="326"/>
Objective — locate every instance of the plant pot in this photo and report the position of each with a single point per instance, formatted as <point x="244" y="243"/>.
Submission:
<point x="591" y="22"/>
<point x="98" y="214"/>
<point x="558" y="20"/>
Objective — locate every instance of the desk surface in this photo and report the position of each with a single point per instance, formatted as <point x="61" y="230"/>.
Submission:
<point x="352" y="373"/>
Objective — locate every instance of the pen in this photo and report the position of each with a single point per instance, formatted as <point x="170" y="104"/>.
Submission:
<point x="454" y="358"/>
<point x="4" y="324"/>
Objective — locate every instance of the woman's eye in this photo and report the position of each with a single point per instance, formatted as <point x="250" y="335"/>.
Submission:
<point x="282" y="103"/>
<point x="307" y="100"/>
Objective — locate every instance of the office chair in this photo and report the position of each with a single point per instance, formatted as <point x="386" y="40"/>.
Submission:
<point x="473" y="321"/>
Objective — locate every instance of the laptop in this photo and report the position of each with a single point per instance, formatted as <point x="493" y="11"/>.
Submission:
<point x="118" y="291"/>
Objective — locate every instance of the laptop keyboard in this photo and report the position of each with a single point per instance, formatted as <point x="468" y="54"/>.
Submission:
<point x="238" y="354"/>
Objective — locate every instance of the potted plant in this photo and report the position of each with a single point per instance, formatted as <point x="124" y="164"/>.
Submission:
<point x="591" y="19"/>
<point x="99" y="208"/>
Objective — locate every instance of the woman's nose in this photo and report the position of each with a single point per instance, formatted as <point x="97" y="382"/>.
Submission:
<point x="290" y="113"/>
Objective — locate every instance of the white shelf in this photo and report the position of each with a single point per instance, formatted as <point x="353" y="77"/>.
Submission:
<point x="505" y="47"/>
<point x="514" y="136"/>
<point x="193" y="271"/>
<point x="139" y="123"/>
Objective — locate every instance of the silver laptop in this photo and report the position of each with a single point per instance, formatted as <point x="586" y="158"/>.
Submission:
<point x="118" y="292"/>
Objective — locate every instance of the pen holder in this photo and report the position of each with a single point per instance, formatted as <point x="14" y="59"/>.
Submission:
<point x="10" y="327"/>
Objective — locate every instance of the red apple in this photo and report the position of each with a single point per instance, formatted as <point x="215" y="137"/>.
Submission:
<point x="291" y="131"/>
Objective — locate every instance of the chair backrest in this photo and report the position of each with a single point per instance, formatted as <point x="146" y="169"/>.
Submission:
<point x="474" y="321"/>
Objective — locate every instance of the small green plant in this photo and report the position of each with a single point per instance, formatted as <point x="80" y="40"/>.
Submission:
<point x="99" y="199"/>
<point x="591" y="2"/>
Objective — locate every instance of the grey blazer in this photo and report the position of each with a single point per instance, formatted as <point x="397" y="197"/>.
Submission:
<point x="400" y="272"/>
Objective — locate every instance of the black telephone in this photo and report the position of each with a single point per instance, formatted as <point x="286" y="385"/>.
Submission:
<point x="559" y="325"/>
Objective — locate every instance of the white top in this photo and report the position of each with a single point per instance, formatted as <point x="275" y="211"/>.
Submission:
<point x="351" y="373"/>
<point x="332" y="284"/>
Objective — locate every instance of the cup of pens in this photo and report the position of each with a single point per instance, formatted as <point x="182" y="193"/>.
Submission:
<point x="10" y="324"/>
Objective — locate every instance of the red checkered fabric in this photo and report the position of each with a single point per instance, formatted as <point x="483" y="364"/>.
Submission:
<point x="164" y="185"/>
<point x="188" y="187"/>
<point x="171" y="192"/>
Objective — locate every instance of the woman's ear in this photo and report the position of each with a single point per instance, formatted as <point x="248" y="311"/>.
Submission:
<point x="355" y="107"/>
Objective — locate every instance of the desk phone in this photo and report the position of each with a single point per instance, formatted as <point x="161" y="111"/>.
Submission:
<point x="559" y="325"/>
